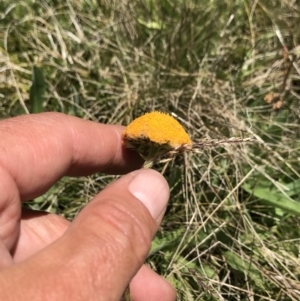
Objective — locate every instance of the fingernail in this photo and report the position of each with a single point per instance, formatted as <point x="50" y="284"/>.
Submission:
<point x="152" y="190"/>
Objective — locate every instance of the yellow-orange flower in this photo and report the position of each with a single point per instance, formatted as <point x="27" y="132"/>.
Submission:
<point x="155" y="134"/>
<point x="159" y="128"/>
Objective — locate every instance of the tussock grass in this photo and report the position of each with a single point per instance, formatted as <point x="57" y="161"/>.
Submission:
<point x="231" y="231"/>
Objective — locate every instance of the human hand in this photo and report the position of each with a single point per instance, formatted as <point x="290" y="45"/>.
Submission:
<point x="45" y="257"/>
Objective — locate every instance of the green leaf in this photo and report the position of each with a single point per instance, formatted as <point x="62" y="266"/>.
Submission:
<point x="37" y="90"/>
<point x="293" y="188"/>
<point x="272" y="196"/>
<point x="243" y="266"/>
<point x="170" y="240"/>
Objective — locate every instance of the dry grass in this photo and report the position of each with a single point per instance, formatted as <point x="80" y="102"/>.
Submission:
<point x="231" y="231"/>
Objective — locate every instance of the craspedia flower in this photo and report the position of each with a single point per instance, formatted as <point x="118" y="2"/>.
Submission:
<point x="155" y="134"/>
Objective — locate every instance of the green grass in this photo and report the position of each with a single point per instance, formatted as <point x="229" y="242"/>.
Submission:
<point x="232" y="228"/>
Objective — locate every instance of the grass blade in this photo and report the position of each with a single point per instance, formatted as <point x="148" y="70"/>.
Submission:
<point x="37" y="90"/>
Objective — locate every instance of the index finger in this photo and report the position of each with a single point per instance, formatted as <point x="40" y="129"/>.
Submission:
<point x="39" y="149"/>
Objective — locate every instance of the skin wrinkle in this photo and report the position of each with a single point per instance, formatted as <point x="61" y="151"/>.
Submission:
<point x="73" y="257"/>
<point x="55" y="275"/>
<point x="76" y="264"/>
<point x="46" y="160"/>
<point x="88" y="258"/>
<point x="102" y="146"/>
<point x="75" y="143"/>
<point x="122" y="264"/>
<point x="36" y="149"/>
<point x="6" y="162"/>
<point x="116" y="149"/>
<point x="50" y="264"/>
<point x="5" y="257"/>
<point x="80" y="264"/>
<point x="4" y="150"/>
<point x="10" y="211"/>
<point x="41" y="233"/>
<point x="48" y="228"/>
<point x="32" y="234"/>
<point x="38" y="159"/>
<point x="16" y="144"/>
<point x="50" y="225"/>
<point x="130" y="228"/>
<point x="105" y="143"/>
<point x="59" y="145"/>
<point x="37" y="156"/>
<point x="114" y="216"/>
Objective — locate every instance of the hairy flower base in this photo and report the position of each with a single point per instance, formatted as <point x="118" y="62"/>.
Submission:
<point x="153" y="152"/>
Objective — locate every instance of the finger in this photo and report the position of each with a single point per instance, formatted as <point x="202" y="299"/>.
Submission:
<point x="40" y="229"/>
<point x="103" y="248"/>
<point x="37" y="150"/>
<point x="155" y="288"/>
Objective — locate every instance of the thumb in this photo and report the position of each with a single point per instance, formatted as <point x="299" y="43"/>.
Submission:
<point x="101" y="251"/>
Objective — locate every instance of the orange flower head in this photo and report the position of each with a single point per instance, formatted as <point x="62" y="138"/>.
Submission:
<point x="154" y="134"/>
